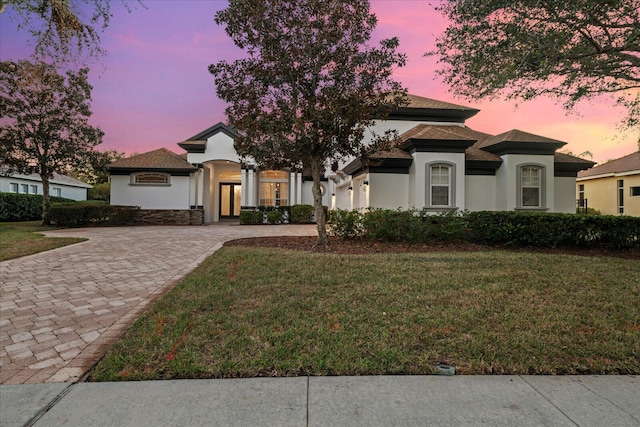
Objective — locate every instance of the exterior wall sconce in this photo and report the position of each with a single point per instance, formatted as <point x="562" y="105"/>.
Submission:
<point x="365" y="185"/>
<point x="350" y="189"/>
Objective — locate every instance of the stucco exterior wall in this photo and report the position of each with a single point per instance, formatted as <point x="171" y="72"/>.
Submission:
<point x="219" y="147"/>
<point x="307" y="195"/>
<point x="565" y="195"/>
<point x="480" y="192"/>
<point x="173" y="196"/>
<point x="507" y="180"/>
<point x="388" y="191"/>
<point x="419" y="175"/>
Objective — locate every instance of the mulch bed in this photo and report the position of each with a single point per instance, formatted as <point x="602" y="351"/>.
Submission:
<point x="362" y="247"/>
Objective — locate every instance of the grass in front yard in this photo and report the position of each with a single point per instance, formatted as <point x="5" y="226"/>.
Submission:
<point x="268" y="312"/>
<point x="22" y="238"/>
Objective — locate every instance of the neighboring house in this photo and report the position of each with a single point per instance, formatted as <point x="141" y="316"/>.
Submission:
<point x="440" y="165"/>
<point x="613" y="188"/>
<point x="59" y="185"/>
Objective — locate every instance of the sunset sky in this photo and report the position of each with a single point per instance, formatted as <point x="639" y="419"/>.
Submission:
<point x="154" y="90"/>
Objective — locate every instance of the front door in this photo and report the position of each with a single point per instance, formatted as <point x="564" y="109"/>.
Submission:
<point x="230" y="200"/>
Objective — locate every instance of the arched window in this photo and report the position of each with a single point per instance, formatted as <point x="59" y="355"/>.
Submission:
<point x="440" y="186"/>
<point x="274" y="188"/>
<point x="531" y="186"/>
<point x="150" y="178"/>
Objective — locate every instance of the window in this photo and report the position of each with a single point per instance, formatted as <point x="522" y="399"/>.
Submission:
<point x="635" y="191"/>
<point x="531" y="187"/>
<point x="230" y="176"/>
<point x="56" y="192"/>
<point x="24" y="189"/>
<point x="34" y="189"/>
<point x="13" y="187"/>
<point x="274" y="188"/>
<point x="581" y="191"/>
<point x="620" y="196"/>
<point x="151" y="178"/>
<point x="440" y="185"/>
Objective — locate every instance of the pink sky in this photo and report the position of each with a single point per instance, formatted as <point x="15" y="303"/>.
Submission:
<point x="154" y="90"/>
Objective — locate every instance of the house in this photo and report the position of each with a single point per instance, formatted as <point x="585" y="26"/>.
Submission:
<point x="59" y="185"/>
<point x="613" y="188"/>
<point x="440" y="164"/>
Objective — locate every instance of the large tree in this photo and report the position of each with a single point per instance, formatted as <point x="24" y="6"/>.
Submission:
<point x="44" y="124"/>
<point x="572" y="50"/>
<point x="65" y="30"/>
<point x="95" y="171"/>
<point x="310" y="85"/>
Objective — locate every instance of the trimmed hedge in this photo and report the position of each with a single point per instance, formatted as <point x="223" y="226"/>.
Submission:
<point x="92" y="214"/>
<point x="302" y="214"/>
<point x="518" y="229"/>
<point x="24" y="207"/>
<point x="509" y="229"/>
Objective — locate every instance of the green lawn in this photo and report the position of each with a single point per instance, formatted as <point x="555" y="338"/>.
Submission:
<point x="23" y="238"/>
<point x="270" y="312"/>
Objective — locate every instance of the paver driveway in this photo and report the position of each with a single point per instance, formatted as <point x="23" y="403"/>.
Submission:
<point x="60" y="310"/>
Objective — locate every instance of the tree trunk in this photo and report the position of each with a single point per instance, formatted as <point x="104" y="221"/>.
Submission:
<point x="46" y="201"/>
<point x="321" y="218"/>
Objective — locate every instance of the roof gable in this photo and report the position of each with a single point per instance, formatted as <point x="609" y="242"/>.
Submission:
<point x="446" y="139"/>
<point x="218" y="127"/>
<point x="519" y="142"/>
<point x="198" y="143"/>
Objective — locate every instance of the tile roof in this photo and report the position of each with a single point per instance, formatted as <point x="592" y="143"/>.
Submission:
<point x="443" y="133"/>
<point x="516" y="135"/>
<point x="416" y="101"/>
<point x="628" y="163"/>
<point x="156" y="160"/>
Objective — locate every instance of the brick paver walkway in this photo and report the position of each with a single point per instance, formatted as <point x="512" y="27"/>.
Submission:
<point x="60" y="310"/>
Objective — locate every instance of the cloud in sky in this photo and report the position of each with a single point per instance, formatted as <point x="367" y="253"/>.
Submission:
<point x="154" y="90"/>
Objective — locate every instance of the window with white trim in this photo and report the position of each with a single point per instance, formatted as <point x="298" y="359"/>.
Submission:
<point x="150" y="178"/>
<point x="620" y="196"/>
<point x="274" y="188"/>
<point x="24" y="189"/>
<point x="13" y="187"/>
<point x="440" y="185"/>
<point x="531" y="187"/>
<point x="56" y="192"/>
<point x="34" y="189"/>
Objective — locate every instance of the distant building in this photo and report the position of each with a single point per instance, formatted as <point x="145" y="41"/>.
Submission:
<point x="59" y="186"/>
<point x="613" y="188"/>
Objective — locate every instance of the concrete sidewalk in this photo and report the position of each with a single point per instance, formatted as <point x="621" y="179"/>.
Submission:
<point x="330" y="401"/>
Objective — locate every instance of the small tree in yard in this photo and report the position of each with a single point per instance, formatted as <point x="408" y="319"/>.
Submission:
<point x="44" y="121"/>
<point x="309" y="87"/>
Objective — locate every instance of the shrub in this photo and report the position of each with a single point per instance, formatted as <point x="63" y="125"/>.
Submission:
<point x="391" y="225"/>
<point x="302" y="214"/>
<point x="90" y="214"/>
<point x="554" y="230"/>
<point x="24" y="207"/>
<point x="447" y="226"/>
<point x="346" y="224"/>
<point x="100" y="192"/>
<point x="274" y="217"/>
<point x="251" y="217"/>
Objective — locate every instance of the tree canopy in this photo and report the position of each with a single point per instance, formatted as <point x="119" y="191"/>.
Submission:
<point x="572" y="50"/>
<point x="310" y="85"/>
<point x="63" y="29"/>
<point x="44" y="124"/>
